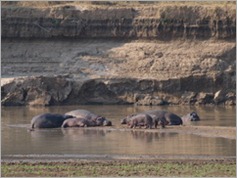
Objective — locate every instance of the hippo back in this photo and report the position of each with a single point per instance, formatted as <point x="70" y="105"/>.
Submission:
<point x="155" y="114"/>
<point x="100" y="121"/>
<point x="82" y="113"/>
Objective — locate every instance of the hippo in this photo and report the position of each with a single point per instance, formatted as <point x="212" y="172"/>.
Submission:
<point x="140" y="120"/>
<point x="78" y="122"/>
<point x="193" y="116"/>
<point x="48" y="120"/>
<point x="82" y="113"/>
<point x="162" y="118"/>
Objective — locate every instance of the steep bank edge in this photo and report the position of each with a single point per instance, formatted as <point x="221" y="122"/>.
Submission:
<point x="59" y="90"/>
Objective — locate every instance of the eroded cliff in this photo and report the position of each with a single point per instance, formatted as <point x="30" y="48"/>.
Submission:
<point x="80" y="53"/>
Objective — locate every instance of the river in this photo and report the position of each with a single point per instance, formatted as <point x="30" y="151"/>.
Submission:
<point x="18" y="142"/>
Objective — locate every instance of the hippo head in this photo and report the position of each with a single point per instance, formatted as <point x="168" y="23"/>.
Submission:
<point x="123" y="121"/>
<point x="126" y="119"/>
<point x="107" y="123"/>
<point x="194" y="117"/>
<point x="101" y="121"/>
<point x="190" y="117"/>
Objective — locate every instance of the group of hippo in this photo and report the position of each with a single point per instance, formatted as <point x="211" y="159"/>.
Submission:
<point x="157" y="117"/>
<point x="75" y="118"/>
<point x="84" y="118"/>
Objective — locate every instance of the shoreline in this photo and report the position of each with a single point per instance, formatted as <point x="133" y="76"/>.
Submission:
<point x="61" y="158"/>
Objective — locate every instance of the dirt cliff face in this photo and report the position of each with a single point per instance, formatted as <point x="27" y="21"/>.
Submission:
<point x="118" y="54"/>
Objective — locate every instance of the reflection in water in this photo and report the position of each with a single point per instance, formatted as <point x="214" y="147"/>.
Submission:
<point x="90" y="141"/>
<point x="149" y="136"/>
<point x="71" y="132"/>
<point x="17" y="140"/>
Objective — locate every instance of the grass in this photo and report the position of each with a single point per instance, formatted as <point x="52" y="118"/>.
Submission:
<point x="45" y="4"/>
<point x="119" y="168"/>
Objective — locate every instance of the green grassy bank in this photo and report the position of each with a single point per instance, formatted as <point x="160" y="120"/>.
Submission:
<point x="120" y="168"/>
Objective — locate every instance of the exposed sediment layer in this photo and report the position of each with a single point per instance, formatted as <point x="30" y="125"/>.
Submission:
<point x="118" y="58"/>
<point x="166" y="54"/>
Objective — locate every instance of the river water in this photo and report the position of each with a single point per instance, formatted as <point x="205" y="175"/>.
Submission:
<point x="18" y="142"/>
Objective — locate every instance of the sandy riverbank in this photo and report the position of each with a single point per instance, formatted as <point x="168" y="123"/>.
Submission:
<point x="206" y="131"/>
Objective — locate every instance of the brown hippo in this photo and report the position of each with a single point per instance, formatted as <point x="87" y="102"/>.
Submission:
<point x="157" y="120"/>
<point x="140" y="120"/>
<point x="78" y="122"/>
<point x="82" y="113"/>
<point x="162" y="118"/>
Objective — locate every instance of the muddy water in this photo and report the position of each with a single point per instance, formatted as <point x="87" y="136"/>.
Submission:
<point x="17" y="141"/>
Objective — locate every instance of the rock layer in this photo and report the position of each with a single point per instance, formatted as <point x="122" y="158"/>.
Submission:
<point x="61" y="91"/>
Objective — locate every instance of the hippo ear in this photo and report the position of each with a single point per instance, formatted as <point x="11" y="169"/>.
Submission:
<point x="103" y="118"/>
<point x="99" y="117"/>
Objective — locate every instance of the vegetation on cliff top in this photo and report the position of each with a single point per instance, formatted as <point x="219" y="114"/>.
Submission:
<point x="44" y="4"/>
